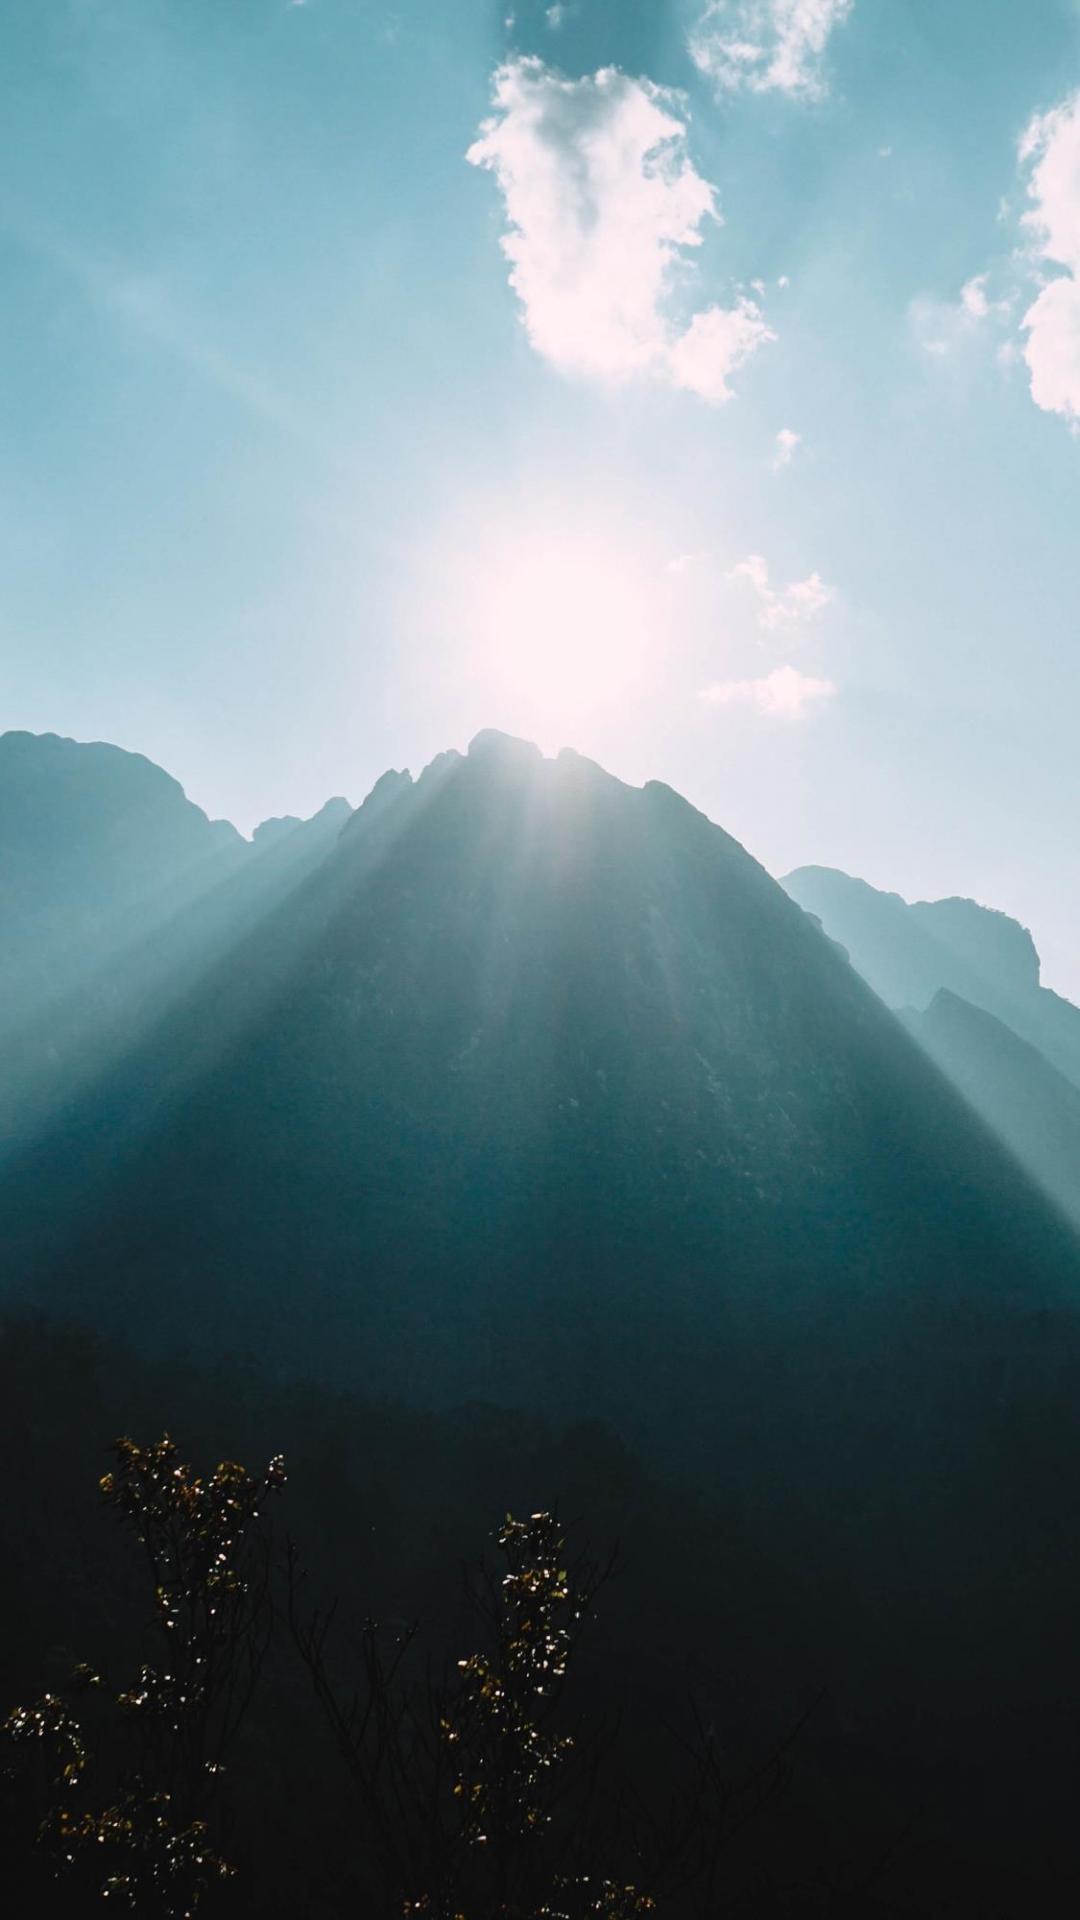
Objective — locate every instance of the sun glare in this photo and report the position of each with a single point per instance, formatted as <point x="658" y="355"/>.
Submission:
<point x="556" y="628"/>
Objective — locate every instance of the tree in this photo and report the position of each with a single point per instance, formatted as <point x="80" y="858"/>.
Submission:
<point x="129" y="1804"/>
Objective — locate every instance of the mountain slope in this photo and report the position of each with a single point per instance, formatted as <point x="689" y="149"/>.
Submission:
<point x="116" y="892"/>
<point x="534" y="1088"/>
<point x="538" y="1087"/>
<point x="967" y="982"/>
<point x="909" y="952"/>
<point x="1036" y="1109"/>
<point x="96" y="845"/>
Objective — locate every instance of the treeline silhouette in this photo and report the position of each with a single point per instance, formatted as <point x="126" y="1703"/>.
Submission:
<point x="352" y="1690"/>
<point x="474" y="1791"/>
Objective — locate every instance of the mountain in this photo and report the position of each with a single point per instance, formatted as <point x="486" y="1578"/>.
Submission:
<point x="115" y="892"/>
<point x="1035" y="1108"/>
<point x="909" y="952"/>
<point x="533" y="1080"/>
<point x="532" y="1088"/>
<point x="966" y="979"/>
<point x="96" y="845"/>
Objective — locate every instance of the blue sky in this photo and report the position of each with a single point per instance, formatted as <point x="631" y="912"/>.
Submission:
<point x="762" y="477"/>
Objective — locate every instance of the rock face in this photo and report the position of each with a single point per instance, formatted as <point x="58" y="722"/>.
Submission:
<point x="539" y="1088"/>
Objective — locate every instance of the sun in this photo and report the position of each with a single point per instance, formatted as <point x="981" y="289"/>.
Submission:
<point x="555" y="625"/>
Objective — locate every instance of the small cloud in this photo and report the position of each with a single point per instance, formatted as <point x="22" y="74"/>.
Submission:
<point x="786" y="443"/>
<point x="681" y="562"/>
<point x="884" y="153"/>
<point x="766" y="45"/>
<point x="782" y="608"/>
<point x="942" y="327"/>
<point x="783" y="281"/>
<point x="555" y="17"/>
<point x="603" y="203"/>
<point x="975" y="301"/>
<point x="784" y="694"/>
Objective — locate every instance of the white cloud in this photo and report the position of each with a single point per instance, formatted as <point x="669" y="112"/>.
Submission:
<point x="785" y="607"/>
<point x="555" y="16"/>
<point x="602" y="201"/>
<point x="1050" y="149"/>
<point x="784" y="694"/>
<point x="767" y="45"/>
<point x="973" y="297"/>
<point x="786" y="443"/>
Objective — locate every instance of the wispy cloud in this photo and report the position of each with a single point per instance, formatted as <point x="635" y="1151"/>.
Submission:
<point x="787" y="442"/>
<point x="1050" y="154"/>
<point x="945" y="328"/>
<point x="784" y="694"/>
<point x="781" y="608"/>
<point x="767" y="45"/>
<point x="603" y="202"/>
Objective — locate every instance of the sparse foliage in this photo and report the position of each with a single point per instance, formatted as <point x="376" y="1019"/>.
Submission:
<point x="479" y="1796"/>
<point x="128" y="1814"/>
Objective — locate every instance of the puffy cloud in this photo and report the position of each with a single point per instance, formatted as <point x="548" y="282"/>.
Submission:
<point x="784" y="607"/>
<point x="767" y="45"/>
<point x="1050" y="149"/>
<point x="786" y="443"/>
<point x="602" y="201"/>
<point x="784" y="694"/>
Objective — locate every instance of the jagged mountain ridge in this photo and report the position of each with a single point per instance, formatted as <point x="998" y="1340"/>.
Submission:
<point x="98" y="849"/>
<point x="966" y="981"/>
<point x="534" y="1088"/>
<point x="552" y="1066"/>
<point x="909" y="951"/>
<point x="115" y="892"/>
<point x="1035" y="1108"/>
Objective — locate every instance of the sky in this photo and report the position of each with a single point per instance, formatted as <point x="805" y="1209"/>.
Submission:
<point x="694" y="384"/>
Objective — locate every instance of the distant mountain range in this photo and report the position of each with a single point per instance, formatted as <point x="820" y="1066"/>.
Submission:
<point x="966" y="980"/>
<point x="517" y="1085"/>
<point x="115" y="892"/>
<point x="521" y="1083"/>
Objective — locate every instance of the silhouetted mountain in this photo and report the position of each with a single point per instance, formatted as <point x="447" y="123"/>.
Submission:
<point x="966" y="979"/>
<point x="909" y="952"/>
<point x="535" y="1087"/>
<point x="1035" y="1108"/>
<point x="96" y="845"/>
<point x="550" y="1065"/>
<point x="115" y="893"/>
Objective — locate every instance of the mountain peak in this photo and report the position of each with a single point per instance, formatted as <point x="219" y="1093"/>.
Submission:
<point x="507" y="746"/>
